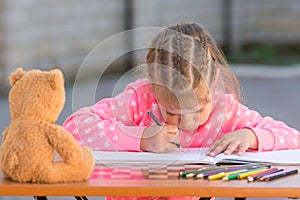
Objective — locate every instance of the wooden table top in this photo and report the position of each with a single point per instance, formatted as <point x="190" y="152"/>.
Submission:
<point x="108" y="181"/>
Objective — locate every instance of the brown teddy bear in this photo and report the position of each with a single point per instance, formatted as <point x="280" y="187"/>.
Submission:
<point x="29" y="142"/>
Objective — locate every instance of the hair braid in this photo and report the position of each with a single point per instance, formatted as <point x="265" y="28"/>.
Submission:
<point x="183" y="55"/>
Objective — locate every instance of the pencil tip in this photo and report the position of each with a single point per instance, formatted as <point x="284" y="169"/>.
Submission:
<point x="250" y="179"/>
<point x="200" y="176"/>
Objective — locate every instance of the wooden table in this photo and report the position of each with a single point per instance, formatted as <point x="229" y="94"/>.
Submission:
<point x="157" y="184"/>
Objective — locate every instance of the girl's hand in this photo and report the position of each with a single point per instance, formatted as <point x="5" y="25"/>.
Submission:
<point x="159" y="139"/>
<point x="238" y="141"/>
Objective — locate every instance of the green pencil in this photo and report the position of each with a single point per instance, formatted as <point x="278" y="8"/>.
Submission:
<point x="186" y="172"/>
<point x="235" y="176"/>
<point x="206" y="169"/>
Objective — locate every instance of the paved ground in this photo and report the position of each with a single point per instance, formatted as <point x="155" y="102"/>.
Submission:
<point x="277" y="98"/>
<point x="264" y="90"/>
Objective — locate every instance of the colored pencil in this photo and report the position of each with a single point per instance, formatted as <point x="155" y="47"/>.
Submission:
<point x="186" y="172"/>
<point x="150" y="113"/>
<point x="256" y="177"/>
<point x="261" y="178"/>
<point x="222" y="174"/>
<point x="154" y="118"/>
<point x="195" y="173"/>
<point x="249" y="173"/>
<point x="206" y="174"/>
<point x="235" y="176"/>
<point x="281" y="174"/>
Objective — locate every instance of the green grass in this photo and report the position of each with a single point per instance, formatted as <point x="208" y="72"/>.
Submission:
<point x="268" y="54"/>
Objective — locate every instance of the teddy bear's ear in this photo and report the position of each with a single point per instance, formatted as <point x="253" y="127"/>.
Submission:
<point x="56" y="78"/>
<point x="15" y="76"/>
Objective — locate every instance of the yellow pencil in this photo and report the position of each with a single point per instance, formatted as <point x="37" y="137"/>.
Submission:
<point x="223" y="174"/>
<point x="246" y="174"/>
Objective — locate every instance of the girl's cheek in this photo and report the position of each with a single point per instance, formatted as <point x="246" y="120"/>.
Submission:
<point x="172" y="120"/>
<point x="204" y="116"/>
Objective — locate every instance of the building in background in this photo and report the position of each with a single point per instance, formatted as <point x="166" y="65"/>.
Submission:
<point x="60" y="34"/>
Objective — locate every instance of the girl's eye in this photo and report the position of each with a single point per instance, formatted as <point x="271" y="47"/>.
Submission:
<point x="200" y="111"/>
<point x="172" y="114"/>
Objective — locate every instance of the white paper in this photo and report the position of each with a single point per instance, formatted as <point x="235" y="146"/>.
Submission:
<point x="196" y="155"/>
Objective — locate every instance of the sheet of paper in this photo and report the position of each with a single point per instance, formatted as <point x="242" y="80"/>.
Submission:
<point x="196" y="155"/>
<point x="176" y="156"/>
<point x="287" y="157"/>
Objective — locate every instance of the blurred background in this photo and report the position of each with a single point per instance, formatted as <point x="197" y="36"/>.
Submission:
<point x="49" y="34"/>
<point x="260" y="38"/>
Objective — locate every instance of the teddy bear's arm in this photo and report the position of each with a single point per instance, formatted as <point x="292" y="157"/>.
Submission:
<point x="65" y="145"/>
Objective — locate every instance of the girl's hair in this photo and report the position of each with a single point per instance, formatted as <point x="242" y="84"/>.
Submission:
<point x="183" y="55"/>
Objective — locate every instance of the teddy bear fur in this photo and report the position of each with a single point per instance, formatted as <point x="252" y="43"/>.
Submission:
<point x="27" y="151"/>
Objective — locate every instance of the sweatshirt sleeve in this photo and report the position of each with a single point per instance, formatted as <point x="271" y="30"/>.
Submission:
<point x="271" y="134"/>
<point x="111" y="124"/>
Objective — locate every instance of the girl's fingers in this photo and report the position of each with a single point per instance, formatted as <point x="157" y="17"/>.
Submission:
<point x="171" y="129"/>
<point x="242" y="149"/>
<point x="229" y="143"/>
<point x="222" y="145"/>
<point x="167" y="148"/>
<point x="211" y="149"/>
<point x="231" y="148"/>
<point x="218" y="148"/>
<point x="213" y="146"/>
<point x="174" y="139"/>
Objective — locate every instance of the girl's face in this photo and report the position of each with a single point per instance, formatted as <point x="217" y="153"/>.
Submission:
<point x="189" y="119"/>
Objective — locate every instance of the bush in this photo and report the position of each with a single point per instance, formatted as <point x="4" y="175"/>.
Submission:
<point x="268" y="54"/>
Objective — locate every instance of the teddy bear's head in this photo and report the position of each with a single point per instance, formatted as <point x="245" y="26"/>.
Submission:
<point x="36" y="95"/>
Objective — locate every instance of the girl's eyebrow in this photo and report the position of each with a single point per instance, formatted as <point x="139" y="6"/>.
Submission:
<point x="179" y="113"/>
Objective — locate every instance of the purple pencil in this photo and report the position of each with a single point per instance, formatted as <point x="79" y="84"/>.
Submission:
<point x="281" y="174"/>
<point x="213" y="170"/>
<point x="261" y="178"/>
<point x="264" y="173"/>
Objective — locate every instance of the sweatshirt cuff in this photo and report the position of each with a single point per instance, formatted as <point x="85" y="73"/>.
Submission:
<point x="130" y="138"/>
<point x="265" y="139"/>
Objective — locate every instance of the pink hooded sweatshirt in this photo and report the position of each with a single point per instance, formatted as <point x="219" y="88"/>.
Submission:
<point x="118" y="123"/>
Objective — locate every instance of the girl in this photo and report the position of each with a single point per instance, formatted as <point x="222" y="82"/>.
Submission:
<point x="184" y="89"/>
<point x="192" y="91"/>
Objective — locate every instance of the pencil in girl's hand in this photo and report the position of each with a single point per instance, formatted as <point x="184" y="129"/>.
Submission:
<point x="161" y="124"/>
<point x="154" y="118"/>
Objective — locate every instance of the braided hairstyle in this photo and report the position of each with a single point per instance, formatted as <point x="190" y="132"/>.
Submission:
<point x="183" y="56"/>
